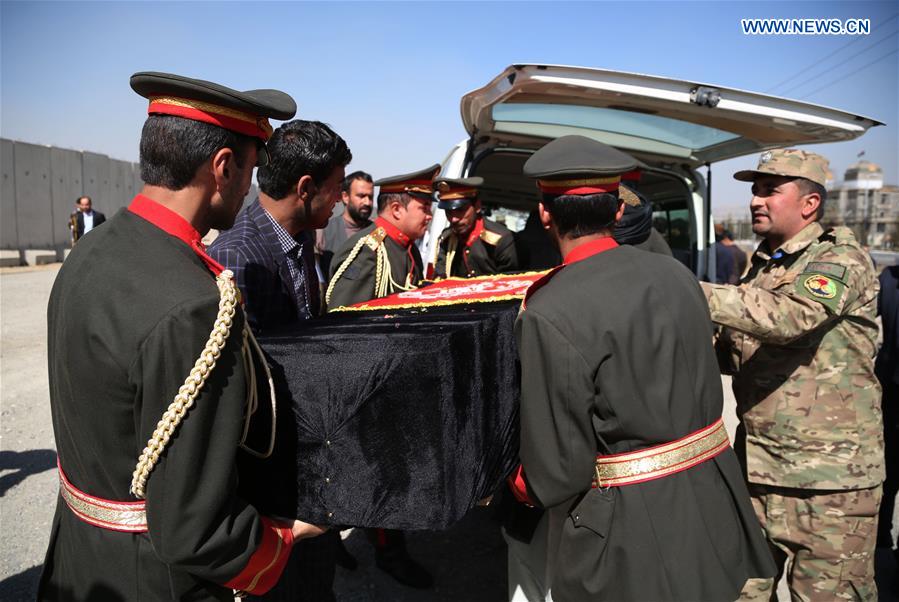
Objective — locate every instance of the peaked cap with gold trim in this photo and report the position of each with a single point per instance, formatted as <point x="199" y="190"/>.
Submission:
<point x="242" y="112"/>
<point x="455" y="193"/>
<point x="418" y="182"/>
<point x="577" y="165"/>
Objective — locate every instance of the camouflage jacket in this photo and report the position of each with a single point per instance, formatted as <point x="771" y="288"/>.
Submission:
<point x="799" y="337"/>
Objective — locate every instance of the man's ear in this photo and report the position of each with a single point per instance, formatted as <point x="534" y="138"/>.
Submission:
<point x="546" y="217"/>
<point x="620" y="212"/>
<point x="305" y="188"/>
<point x="224" y="166"/>
<point x="396" y="209"/>
<point x="810" y="203"/>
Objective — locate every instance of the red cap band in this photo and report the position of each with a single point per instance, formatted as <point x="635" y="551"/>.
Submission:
<point x="230" y="119"/>
<point x="579" y="186"/>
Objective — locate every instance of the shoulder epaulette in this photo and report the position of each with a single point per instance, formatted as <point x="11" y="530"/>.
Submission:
<point x="491" y="238"/>
<point x="841" y="235"/>
<point x="374" y="239"/>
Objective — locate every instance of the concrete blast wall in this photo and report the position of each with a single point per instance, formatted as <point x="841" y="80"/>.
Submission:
<point x="40" y="185"/>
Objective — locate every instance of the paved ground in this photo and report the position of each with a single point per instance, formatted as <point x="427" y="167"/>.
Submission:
<point x="27" y="451"/>
<point x="468" y="561"/>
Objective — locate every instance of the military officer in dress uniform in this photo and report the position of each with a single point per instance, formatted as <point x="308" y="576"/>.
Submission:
<point x="472" y="245"/>
<point x="382" y="259"/>
<point x="148" y="506"/>
<point x="378" y="261"/>
<point x="799" y="338"/>
<point x="621" y="433"/>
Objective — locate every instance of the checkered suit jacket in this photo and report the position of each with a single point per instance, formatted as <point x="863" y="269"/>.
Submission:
<point x="252" y="251"/>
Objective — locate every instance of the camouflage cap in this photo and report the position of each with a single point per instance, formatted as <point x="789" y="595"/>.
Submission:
<point x="788" y="162"/>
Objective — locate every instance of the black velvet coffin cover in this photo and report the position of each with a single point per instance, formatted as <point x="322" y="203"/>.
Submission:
<point x="398" y="420"/>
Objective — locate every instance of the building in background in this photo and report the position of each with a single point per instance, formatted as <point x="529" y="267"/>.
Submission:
<point x="863" y="203"/>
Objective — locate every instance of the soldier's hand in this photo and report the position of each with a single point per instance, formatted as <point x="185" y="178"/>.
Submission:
<point x="303" y="530"/>
<point x="299" y="529"/>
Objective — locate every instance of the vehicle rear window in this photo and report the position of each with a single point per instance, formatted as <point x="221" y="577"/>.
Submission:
<point x="616" y="121"/>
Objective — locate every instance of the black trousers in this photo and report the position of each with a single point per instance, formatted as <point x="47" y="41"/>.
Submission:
<point x="890" y="405"/>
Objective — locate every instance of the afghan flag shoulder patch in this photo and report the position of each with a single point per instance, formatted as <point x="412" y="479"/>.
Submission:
<point x="823" y="288"/>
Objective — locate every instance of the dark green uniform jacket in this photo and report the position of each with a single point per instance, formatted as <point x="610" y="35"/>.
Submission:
<point x="655" y="243"/>
<point x="616" y="356"/>
<point x="491" y="251"/>
<point x="129" y="313"/>
<point x="353" y="280"/>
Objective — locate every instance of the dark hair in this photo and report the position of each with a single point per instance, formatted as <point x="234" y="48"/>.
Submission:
<point x="301" y="148"/>
<point x="582" y="215"/>
<point x="84" y="196"/>
<point x="356" y="175"/>
<point x="172" y="149"/>
<point x="808" y="187"/>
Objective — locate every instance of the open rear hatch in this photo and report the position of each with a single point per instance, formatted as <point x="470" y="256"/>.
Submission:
<point x="655" y="119"/>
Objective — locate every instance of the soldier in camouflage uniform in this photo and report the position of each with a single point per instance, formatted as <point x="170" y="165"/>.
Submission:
<point x="799" y="337"/>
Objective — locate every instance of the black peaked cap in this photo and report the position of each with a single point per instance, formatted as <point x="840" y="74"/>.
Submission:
<point x="262" y="103"/>
<point x="473" y="182"/>
<point x="573" y="156"/>
<point x="422" y="174"/>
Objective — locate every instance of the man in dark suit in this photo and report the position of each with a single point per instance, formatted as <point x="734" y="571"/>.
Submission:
<point x="136" y="301"/>
<point x="270" y="251"/>
<point x="85" y="218"/>
<point x="887" y="370"/>
<point x="621" y="433"/>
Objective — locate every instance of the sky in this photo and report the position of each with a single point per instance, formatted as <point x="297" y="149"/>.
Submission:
<point x="388" y="76"/>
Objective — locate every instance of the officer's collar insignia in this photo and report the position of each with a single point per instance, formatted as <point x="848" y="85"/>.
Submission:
<point x="766" y="156"/>
<point x="820" y="286"/>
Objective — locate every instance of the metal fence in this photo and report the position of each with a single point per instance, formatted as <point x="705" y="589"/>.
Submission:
<point x="41" y="185"/>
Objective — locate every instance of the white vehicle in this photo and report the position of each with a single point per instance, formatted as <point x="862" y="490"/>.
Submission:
<point x="672" y="126"/>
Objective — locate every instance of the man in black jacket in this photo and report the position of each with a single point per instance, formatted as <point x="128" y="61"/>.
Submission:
<point x="149" y="506"/>
<point x="85" y="218"/>
<point x="621" y="433"/>
<point x="887" y="370"/>
<point x="471" y="245"/>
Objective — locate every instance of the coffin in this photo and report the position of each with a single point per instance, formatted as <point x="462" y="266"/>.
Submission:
<point x="400" y="413"/>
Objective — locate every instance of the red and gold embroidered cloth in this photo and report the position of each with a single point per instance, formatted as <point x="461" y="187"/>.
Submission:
<point x="455" y="291"/>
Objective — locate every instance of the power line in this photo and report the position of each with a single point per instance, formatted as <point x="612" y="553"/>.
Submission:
<point x="842" y="78"/>
<point x="841" y="63"/>
<point x="821" y="60"/>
